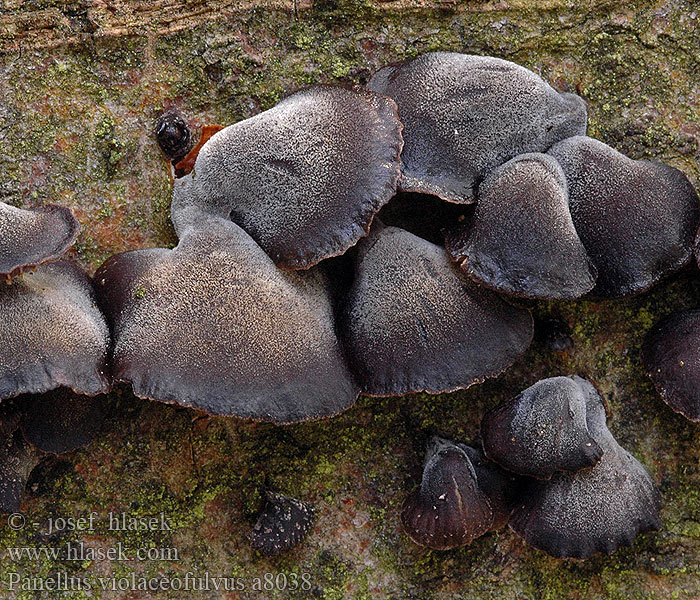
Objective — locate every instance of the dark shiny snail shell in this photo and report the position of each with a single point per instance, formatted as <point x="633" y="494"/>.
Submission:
<point x="173" y="135"/>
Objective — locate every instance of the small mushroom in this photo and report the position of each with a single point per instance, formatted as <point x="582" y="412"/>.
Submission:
<point x="464" y="115"/>
<point x="31" y="426"/>
<point x="214" y="325"/>
<point x="283" y="524"/>
<point x="449" y="509"/>
<point x="413" y="322"/>
<point x="60" y="421"/>
<point x="522" y="240"/>
<point x="52" y="334"/>
<point x="671" y="357"/>
<point x="304" y="178"/>
<point x="173" y="135"/>
<point x="596" y="509"/>
<point x="544" y="429"/>
<point x="637" y="219"/>
<point x="29" y="238"/>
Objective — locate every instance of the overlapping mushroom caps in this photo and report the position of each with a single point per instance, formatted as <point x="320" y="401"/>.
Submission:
<point x="52" y="333"/>
<point x="413" y="322"/>
<point x="52" y="337"/>
<point x="543" y="430"/>
<point x="636" y="218"/>
<point x="671" y="357"/>
<point x="304" y="178"/>
<point x="29" y="238"/>
<point x="556" y="225"/>
<point x="522" y="240"/>
<point x="215" y="325"/>
<point x="603" y="504"/>
<point x="464" y="115"/>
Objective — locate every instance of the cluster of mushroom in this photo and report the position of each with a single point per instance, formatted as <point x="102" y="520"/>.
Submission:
<point x="557" y="214"/>
<point x="274" y="335"/>
<point x="555" y="465"/>
<point x="250" y="315"/>
<point x="54" y="342"/>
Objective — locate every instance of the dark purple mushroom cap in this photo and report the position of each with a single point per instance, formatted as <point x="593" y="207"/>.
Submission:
<point x="637" y="219"/>
<point x="448" y="510"/>
<point x="464" y="115"/>
<point x="501" y="487"/>
<point x="283" y="523"/>
<point x="522" y="240"/>
<point x="29" y="238"/>
<point x="413" y="322"/>
<point x="304" y="178"/>
<point x="671" y="357"/>
<point x="544" y="429"/>
<point x="598" y="509"/>
<point x="60" y="421"/>
<point x="52" y="334"/>
<point x="214" y="325"/>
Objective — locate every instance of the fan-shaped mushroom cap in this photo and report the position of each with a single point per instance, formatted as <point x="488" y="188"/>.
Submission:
<point x="501" y="488"/>
<point x="636" y="218"/>
<point x="413" y="322"/>
<point x="282" y="524"/>
<point x="304" y="178"/>
<point x="52" y="334"/>
<point x="521" y="239"/>
<point x="448" y="510"/>
<point x="464" y="115"/>
<point x="544" y="429"/>
<point x="671" y="357"/>
<point x="29" y="238"/>
<point x="213" y="324"/>
<point x="598" y="509"/>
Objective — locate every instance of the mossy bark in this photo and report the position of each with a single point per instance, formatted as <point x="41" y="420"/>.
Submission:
<point x="81" y="84"/>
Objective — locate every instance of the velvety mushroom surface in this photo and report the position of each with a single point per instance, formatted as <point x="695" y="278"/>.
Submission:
<point x="463" y="115"/>
<point x="596" y="509"/>
<point x="449" y="509"/>
<point x="304" y="178"/>
<point x="671" y="357"/>
<point x="413" y="322"/>
<point x="501" y="487"/>
<point x="522" y="240"/>
<point x="637" y="218"/>
<point x="52" y="333"/>
<point x="29" y="238"/>
<point x="544" y="429"/>
<point x="213" y="324"/>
